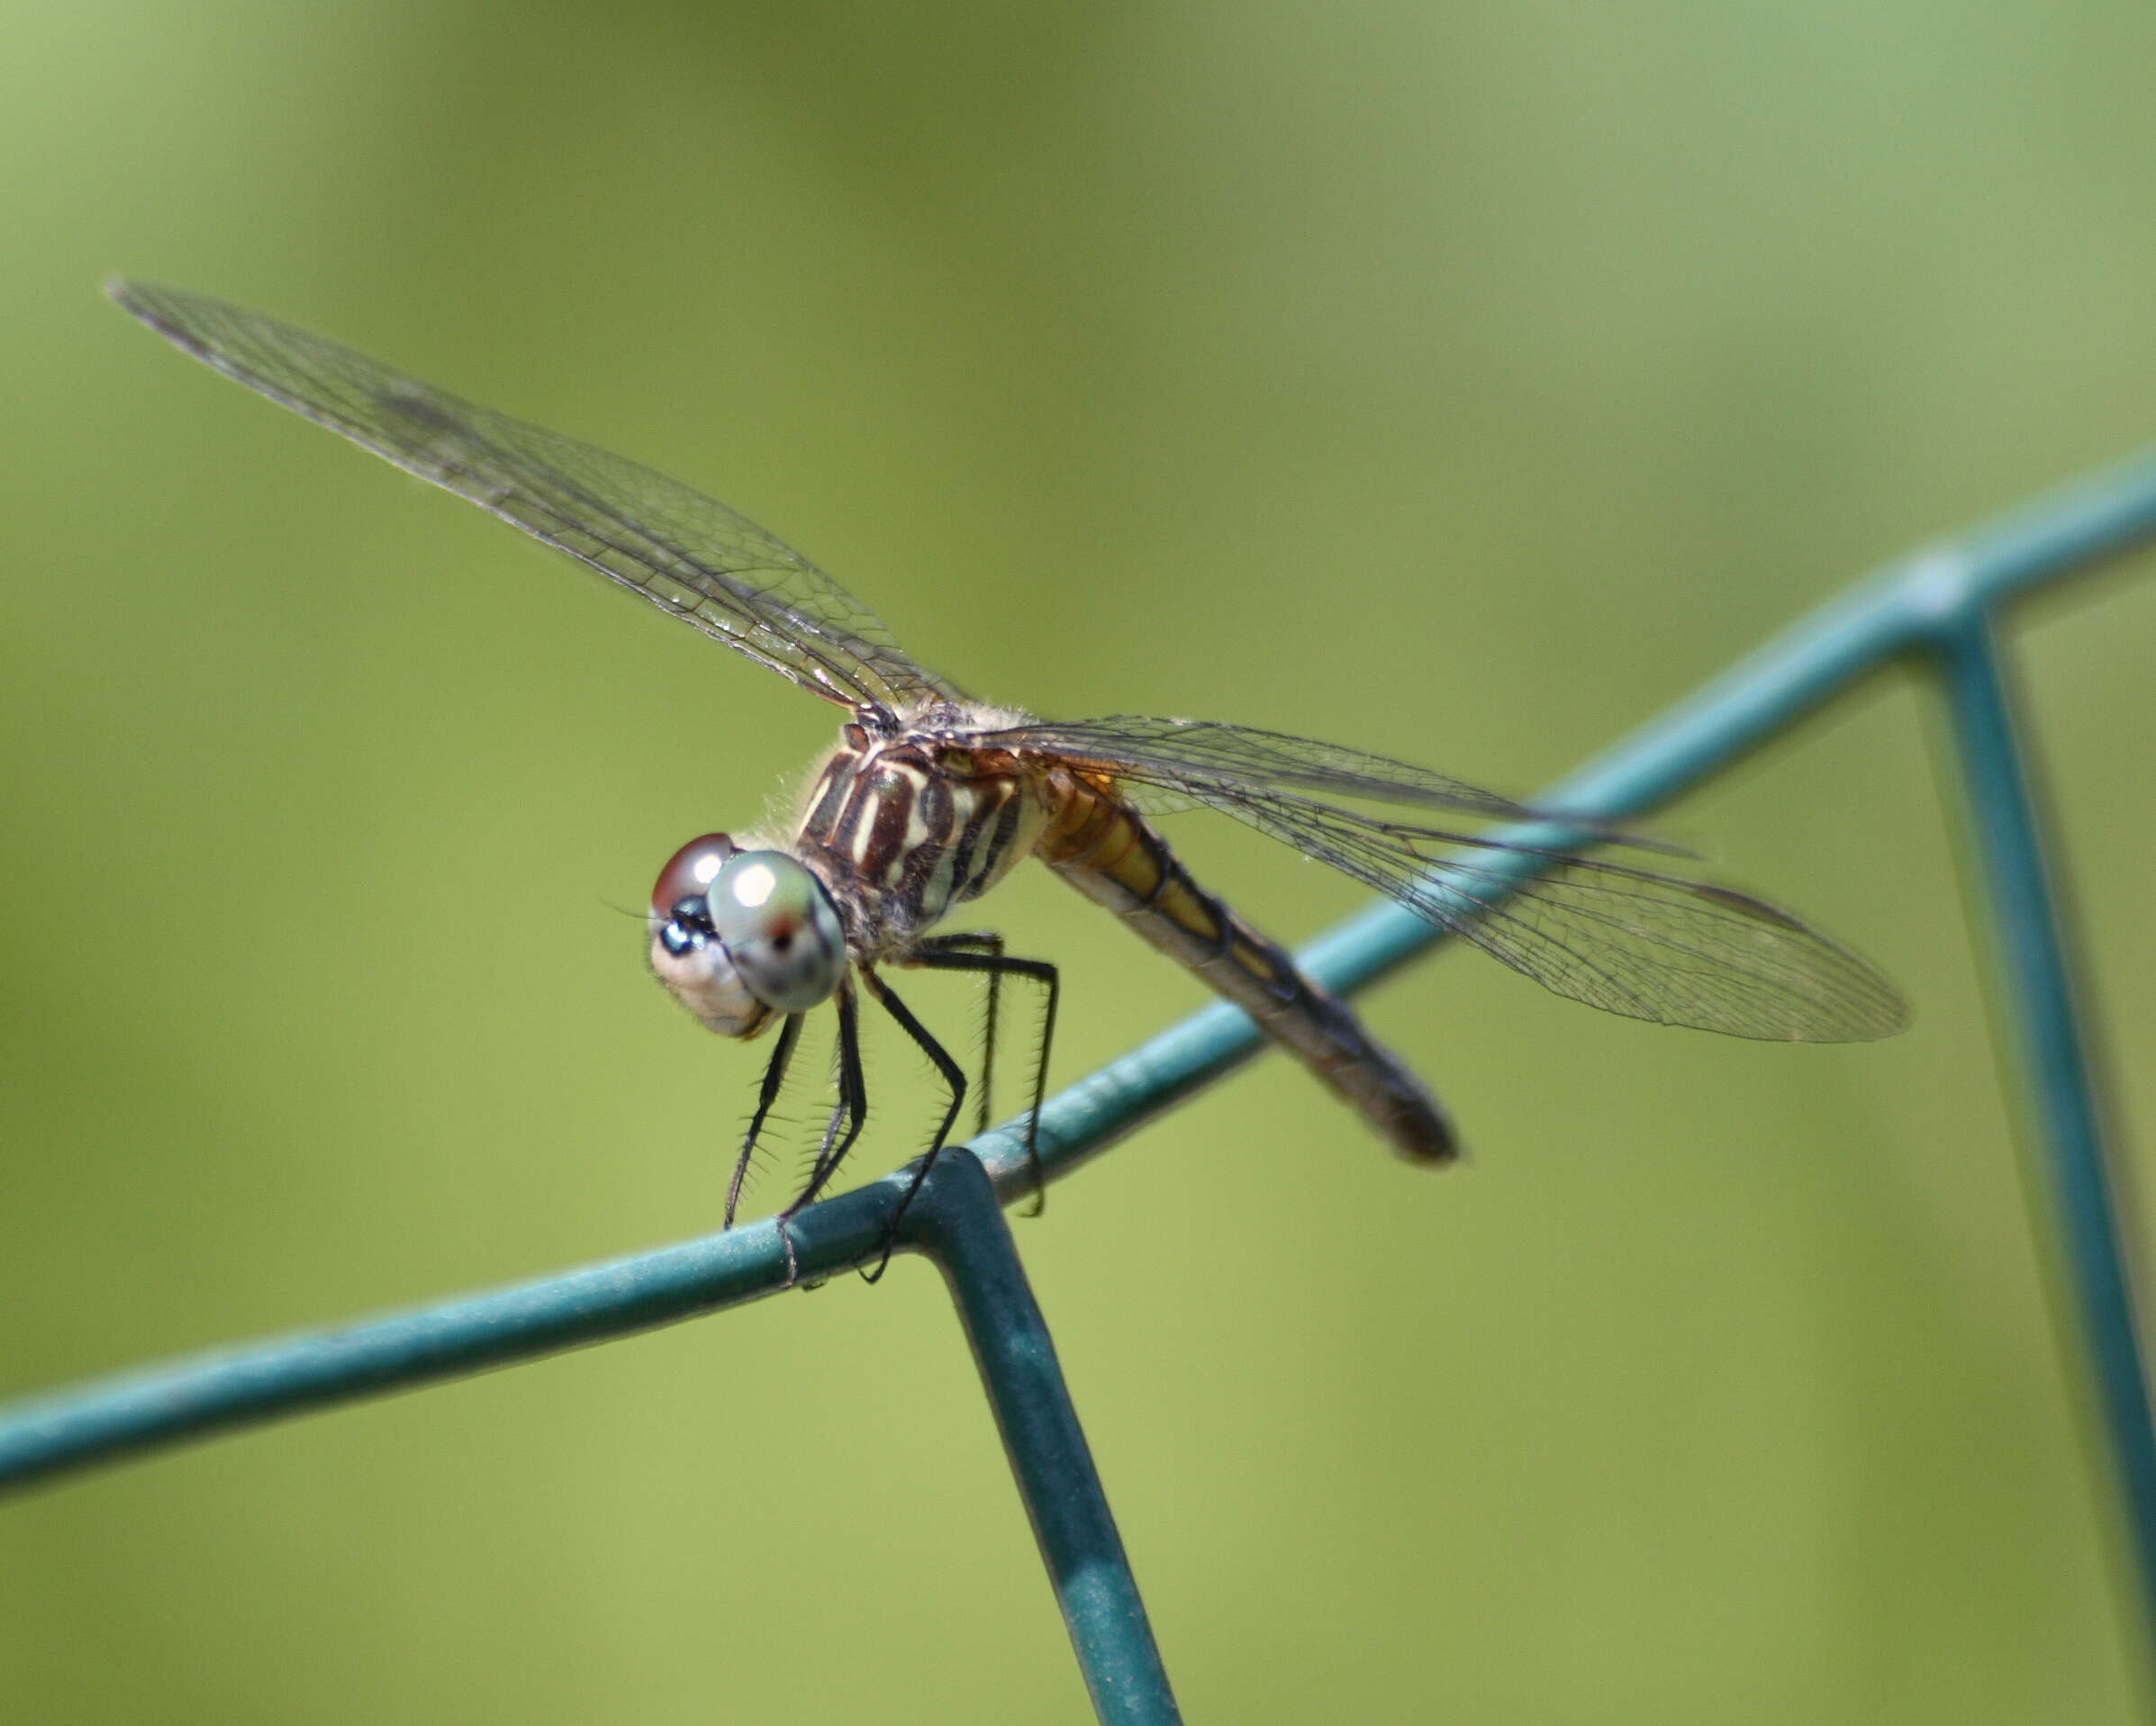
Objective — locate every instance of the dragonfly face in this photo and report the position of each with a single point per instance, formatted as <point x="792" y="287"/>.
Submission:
<point x="930" y="798"/>
<point x="738" y="936"/>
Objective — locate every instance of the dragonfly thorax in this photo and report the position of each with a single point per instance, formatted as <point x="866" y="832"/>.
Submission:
<point x="900" y="828"/>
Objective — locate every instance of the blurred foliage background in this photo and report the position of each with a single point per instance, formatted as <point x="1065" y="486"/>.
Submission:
<point x="1467" y="381"/>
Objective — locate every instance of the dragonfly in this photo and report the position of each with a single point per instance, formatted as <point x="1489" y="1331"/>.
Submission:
<point x="931" y="797"/>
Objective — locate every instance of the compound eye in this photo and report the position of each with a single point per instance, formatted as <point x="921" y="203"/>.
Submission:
<point x="690" y="872"/>
<point x="780" y="927"/>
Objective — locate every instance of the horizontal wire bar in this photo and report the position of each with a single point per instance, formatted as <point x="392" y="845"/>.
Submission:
<point x="1908" y="602"/>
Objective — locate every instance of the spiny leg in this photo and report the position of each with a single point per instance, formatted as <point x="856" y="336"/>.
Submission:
<point x="853" y="1103"/>
<point x="992" y="944"/>
<point x="953" y="1075"/>
<point x="840" y="1115"/>
<point x="852" y="1110"/>
<point x="949" y="955"/>
<point x="774" y="1080"/>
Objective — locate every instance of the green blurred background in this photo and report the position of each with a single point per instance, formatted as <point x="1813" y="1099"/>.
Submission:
<point x="1464" y="380"/>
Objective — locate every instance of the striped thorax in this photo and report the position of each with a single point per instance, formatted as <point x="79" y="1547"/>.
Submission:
<point x="900" y="828"/>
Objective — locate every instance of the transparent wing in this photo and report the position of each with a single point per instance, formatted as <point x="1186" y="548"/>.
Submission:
<point x="1629" y="941"/>
<point x="688" y="554"/>
<point x="1176" y="751"/>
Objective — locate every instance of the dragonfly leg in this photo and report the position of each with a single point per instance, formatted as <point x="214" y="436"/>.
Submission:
<point x="846" y="1123"/>
<point x="984" y="953"/>
<point x="953" y="1076"/>
<point x="990" y="944"/>
<point x="774" y="1080"/>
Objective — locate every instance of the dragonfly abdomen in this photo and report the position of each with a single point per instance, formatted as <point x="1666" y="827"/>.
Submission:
<point x="1112" y="854"/>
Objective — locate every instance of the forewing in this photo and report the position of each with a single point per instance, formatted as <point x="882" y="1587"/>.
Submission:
<point x="1630" y="941"/>
<point x="688" y="554"/>
<point x="1253" y="757"/>
<point x="1167" y="757"/>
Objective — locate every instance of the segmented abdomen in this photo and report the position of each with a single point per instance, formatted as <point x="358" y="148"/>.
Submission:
<point x="1110" y="853"/>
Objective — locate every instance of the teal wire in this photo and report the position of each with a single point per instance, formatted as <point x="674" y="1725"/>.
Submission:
<point x="958" y="1223"/>
<point x="2031" y="952"/>
<point x="1904" y="605"/>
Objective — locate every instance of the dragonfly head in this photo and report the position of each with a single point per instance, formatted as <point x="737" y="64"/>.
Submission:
<point x="737" y="935"/>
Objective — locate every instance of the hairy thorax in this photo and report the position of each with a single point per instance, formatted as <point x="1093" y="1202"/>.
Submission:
<point x="901" y="828"/>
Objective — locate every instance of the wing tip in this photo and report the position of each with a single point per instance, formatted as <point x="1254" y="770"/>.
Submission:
<point x="124" y="292"/>
<point x="148" y="303"/>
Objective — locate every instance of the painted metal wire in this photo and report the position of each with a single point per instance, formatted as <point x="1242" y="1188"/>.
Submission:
<point x="1937" y="608"/>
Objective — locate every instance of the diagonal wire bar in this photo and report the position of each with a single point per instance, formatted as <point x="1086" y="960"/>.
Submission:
<point x="1903" y="606"/>
<point x="1913" y="604"/>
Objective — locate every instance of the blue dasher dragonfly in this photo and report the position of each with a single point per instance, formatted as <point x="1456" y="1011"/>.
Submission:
<point x="931" y="797"/>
